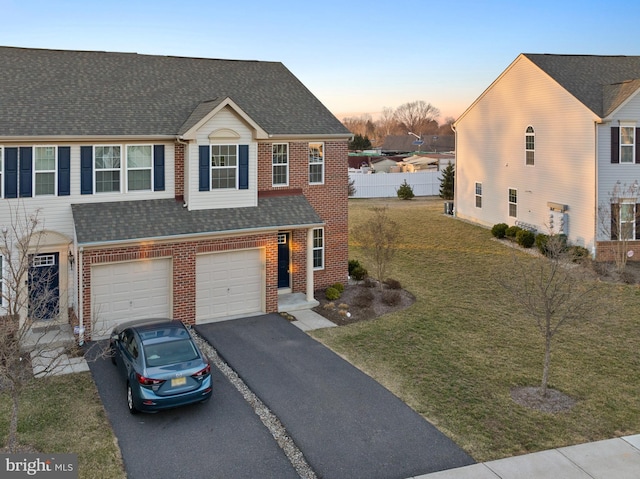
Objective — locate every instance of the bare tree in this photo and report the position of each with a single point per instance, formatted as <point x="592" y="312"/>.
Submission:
<point x="418" y="117"/>
<point x="378" y="239"/>
<point x="554" y="291"/>
<point x="26" y="299"/>
<point x="618" y="221"/>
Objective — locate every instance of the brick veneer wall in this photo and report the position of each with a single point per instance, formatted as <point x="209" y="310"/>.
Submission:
<point x="183" y="255"/>
<point x="607" y="250"/>
<point x="329" y="200"/>
<point x="179" y="170"/>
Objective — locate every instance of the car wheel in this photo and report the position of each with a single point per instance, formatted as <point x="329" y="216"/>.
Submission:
<point x="130" y="405"/>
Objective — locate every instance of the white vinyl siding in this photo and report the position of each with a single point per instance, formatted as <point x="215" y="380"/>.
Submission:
<point x="490" y="150"/>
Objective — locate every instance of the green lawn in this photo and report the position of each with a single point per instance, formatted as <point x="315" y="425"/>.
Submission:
<point x="64" y="414"/>
<point x="457" y="352"/>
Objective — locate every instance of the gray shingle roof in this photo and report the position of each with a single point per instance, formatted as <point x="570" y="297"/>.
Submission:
<point x="600" y="82"/>
<point x="162" y="218"/>
<point x="56" y="92"/>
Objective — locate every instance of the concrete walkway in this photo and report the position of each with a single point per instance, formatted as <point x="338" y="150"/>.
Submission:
<point x="609" y="459"/>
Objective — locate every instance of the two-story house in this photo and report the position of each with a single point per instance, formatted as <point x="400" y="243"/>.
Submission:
<point x="552" y="145"/>
<point x="192" y="188"/>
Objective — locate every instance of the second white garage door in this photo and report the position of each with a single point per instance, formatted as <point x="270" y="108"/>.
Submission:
<point x="129" y="290"/>
<point x="228" y="284"/>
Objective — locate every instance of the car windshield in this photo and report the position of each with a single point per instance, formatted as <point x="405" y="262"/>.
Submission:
<point x="170" y="352"/>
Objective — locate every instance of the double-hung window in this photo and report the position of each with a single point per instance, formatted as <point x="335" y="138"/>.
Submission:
<point x="45" y="162"/>
<point x="316" y="163"/>
<point x="3" y="291"/>
<point x="139" y="167"/>
<point x="280" y="164"/>
<point x="627" y="143"/>
<point x="513" y="202"/>
<point x="478" y="195"/>
<point x="107" y="161"/>
<point x="318" y="248"/>
<point x="1" y="172"/>
<point x="224" y="166"/>
<point x="529" y="146"/>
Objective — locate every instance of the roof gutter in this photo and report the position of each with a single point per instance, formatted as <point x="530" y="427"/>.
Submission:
<point x="345" y="136"/>
<point x="197" y="236"/>
<point x="83" y="139"/>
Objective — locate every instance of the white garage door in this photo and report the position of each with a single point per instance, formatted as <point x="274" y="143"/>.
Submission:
<point x="130" y="290"/>
<point x="228" y="285"/>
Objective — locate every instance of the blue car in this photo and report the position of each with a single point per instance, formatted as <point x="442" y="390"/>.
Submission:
<point x="161" y="363"/>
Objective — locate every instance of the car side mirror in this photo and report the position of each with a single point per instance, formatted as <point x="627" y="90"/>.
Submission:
<point x="115" y="337"/>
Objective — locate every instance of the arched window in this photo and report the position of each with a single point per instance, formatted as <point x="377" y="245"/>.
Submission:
<point x="529" y="146"/>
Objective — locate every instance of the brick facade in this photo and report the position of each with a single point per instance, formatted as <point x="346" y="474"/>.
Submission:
<point x="607" y="250"/>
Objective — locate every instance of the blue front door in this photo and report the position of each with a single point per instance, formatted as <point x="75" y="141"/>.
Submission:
<point x="44" y="282"/>
<point x="284" y="240"/>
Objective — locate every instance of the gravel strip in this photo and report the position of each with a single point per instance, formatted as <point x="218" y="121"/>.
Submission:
<point x="271" y="422"/>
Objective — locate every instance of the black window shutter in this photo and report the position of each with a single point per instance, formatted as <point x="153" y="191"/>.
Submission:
<point x="64" y="170"/>
<point x="11" y="173"/>
<point x="205" y="169"/>
<point x="26" y="171"/>
<point x="637" y="221"/>
<point x="243" y="179"/>
<point x="615" y="144"/>
<point x="615" y="220"/>
<point x="158" y="167"/>
<point x="637" y="146"/>
<point x="86" y="170"/>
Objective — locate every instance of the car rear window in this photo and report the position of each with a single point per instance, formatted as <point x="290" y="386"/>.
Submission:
<point x="170" y="352"/>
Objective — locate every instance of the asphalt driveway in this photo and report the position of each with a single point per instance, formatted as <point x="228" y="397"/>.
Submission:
<point x="220" y="439"/>
<point x="345" y="423"/>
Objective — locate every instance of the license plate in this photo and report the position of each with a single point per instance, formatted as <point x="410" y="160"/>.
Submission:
<point x="178" y="382"/>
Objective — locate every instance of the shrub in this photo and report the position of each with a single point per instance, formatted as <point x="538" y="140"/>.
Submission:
<point x="512" y="231"/>
<point x="393" y="284"/>
<point x="405" y="191"/>
<point x="339" y="287"/>
<point x="359" y="273"/>
<point x="499" y="229"/>
<point x="525" y="238"/>
<point x="353" y="264"/>
<point x="391" y="297"/>
<point x="541" y="243"/>
<point x="363" y="299"/>
<point x="331" y="293"/>
<point x="369" y="283"/>
<point x="578" y="253"/>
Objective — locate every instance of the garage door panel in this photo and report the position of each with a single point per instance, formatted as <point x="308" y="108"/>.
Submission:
<point x="129" y="290"/>
<point x="228" y="284"/>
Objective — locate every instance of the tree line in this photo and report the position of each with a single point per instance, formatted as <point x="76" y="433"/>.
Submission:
<point x="417" y="117"/>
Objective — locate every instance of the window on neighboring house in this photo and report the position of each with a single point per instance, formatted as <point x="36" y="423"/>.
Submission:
<point x="478" y="195"/>
<point x="2" y="289"/>
<point x="280" y="155"/>
<point x="513" y="202"/>
<point x="627" y="144"/>
<point x="623" y="220"/>
<point x="107" y="161"/>
<point x="1" y="172"/>
<point x="529" y="146"/>
<point x="316" y="163"/>
<point x="224" y="165"/>
<point x="139" y="167"/>
<point x="318" y="248"/>
<point x="45" y="170"/>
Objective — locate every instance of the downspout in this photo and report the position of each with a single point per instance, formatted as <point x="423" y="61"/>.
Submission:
<point x="80" y="298"/>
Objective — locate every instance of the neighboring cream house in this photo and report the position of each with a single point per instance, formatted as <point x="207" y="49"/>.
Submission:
<point x="547" y="144"/>
<point x="191" y="188"/>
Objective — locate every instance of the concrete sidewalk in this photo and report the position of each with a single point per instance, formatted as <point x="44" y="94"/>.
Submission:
<point x="609" y="459"/>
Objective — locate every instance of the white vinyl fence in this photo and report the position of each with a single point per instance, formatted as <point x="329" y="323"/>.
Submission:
<point x="385" y="185"/>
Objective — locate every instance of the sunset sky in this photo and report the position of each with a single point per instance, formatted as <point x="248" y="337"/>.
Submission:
<point x="356" y="56"/>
